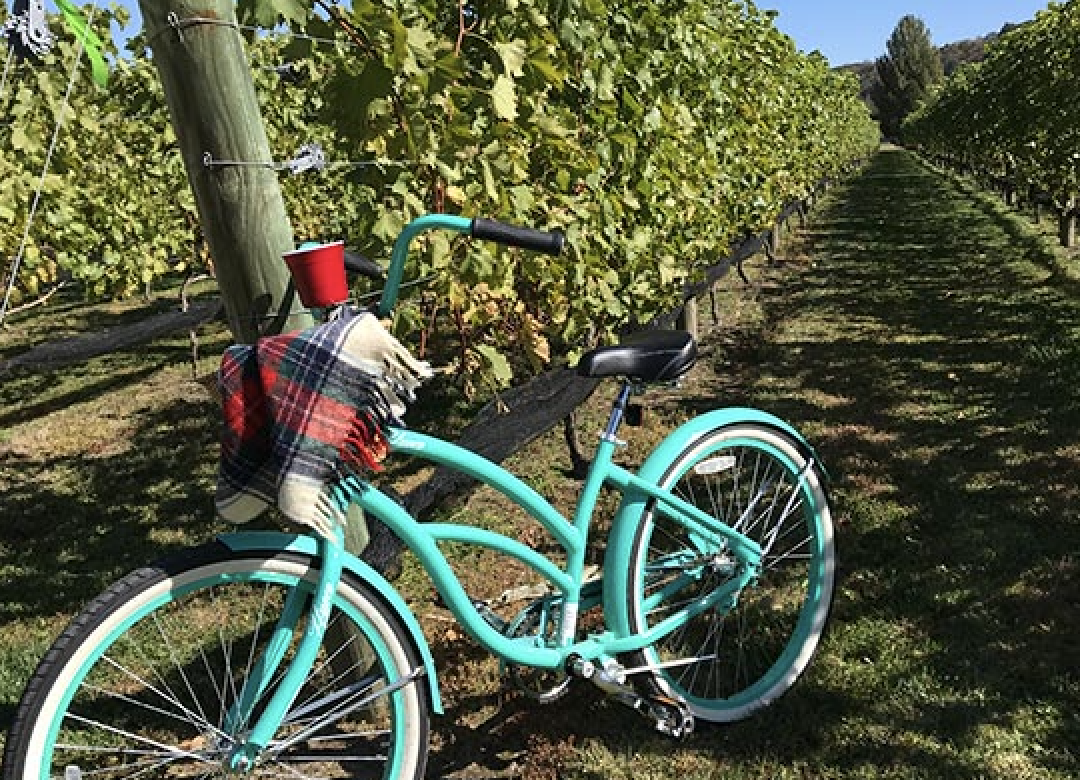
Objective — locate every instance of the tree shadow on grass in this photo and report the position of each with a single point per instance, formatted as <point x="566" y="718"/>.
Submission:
<point x="933" y="360"/>
<point x="73" y="524"/>
<point x="28" y="393"/>
<point x="44" y="386"/>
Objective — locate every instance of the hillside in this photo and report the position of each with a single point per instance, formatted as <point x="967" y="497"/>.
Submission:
<point x="953" y="55"/>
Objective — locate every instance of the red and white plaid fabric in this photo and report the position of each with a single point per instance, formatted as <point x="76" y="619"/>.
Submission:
<point x="303" y="409"/>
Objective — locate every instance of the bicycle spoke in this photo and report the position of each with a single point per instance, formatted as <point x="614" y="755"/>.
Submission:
<point x="298" y="716"/>
<point x="173" y="752"/>
<point x="172" y="696"/>
<point x="149" y="765"/>
<point x="185" y="716"/>
<point x="791" y="555"/>
<point x="348" y="708"/>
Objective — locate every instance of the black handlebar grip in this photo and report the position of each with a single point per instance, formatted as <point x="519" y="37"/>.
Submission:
<point x="550" y="243"/>
<point x="360" y="264"/>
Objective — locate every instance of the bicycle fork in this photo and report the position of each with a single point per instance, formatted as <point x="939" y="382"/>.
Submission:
<point x="244" y="754"/>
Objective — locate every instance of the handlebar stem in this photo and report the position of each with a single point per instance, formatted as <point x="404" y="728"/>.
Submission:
<point x="401" y="249"/>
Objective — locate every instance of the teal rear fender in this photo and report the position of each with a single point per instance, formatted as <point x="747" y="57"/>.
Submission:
<point x="617" y="558"/>
<point x="273" y="541"/>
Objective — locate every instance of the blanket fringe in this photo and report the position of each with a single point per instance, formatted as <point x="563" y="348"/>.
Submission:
<point x="365" y="445"/>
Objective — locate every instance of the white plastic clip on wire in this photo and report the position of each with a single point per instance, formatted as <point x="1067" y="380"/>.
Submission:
<point x="309" y="157"/>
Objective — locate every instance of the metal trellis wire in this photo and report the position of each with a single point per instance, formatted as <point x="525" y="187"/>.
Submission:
<point x="36" y="202"/>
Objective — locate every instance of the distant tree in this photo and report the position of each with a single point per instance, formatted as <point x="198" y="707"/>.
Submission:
<point x="907" y="72"/>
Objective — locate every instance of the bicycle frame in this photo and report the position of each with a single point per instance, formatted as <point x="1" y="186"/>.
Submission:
<point x="423" y="540"/>
<point x="638" y="490"/>
<point x="400" y="251"/>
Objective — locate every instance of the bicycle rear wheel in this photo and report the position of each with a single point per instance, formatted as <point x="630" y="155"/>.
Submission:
<point x="144" y="683"/>
<point x="730" y="662"/>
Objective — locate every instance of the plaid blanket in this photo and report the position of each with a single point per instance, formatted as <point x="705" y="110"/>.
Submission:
<point x="303" y="409"/>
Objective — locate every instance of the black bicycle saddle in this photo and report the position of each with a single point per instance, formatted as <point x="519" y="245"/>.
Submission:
<point x="645" y="356"/>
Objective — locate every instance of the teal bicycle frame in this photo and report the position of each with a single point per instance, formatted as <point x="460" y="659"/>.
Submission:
<point x="400" y="252"/>
<point x="423" y="540"/>
<point x="639" y="491"/>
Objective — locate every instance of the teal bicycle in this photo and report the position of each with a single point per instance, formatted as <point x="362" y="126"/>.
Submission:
<point x="268" y="654"/>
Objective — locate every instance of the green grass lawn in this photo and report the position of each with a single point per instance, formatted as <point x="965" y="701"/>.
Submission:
<point x="931" y="352"/>
<point x="923" y="338"/>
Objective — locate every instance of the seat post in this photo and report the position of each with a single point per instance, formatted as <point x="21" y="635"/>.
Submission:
<point x="618" y="410"/>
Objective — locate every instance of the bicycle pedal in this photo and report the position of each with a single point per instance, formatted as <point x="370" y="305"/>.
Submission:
<point x="669" y="716"/>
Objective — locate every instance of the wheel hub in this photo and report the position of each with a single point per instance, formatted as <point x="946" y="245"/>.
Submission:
<point x="241" y="760"/>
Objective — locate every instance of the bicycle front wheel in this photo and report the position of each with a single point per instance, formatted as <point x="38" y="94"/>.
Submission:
<point x="146" y="682"/>
<point x="730" y="661"/>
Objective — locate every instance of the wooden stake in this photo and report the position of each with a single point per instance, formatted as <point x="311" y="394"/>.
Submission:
<point x="201" y="59"/>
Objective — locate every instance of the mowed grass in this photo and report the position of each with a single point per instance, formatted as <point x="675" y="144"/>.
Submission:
<point x="930" y="352"/>
<point x="103" y="466"/>
<point x="925" y="340"/>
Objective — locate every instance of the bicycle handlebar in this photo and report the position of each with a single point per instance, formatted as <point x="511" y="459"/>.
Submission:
<point x="361" y="265"/>
<point x="551" y="243"/>
<point x="511" y="235"/>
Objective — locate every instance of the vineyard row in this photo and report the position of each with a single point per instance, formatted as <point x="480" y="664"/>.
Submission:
<point x="1014" y="118"/>
<point x="656" y="135"/>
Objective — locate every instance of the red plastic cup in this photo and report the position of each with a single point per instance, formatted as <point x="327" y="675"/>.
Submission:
<point x="319" y="273"/>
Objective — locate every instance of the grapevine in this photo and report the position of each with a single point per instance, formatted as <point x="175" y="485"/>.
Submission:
<point x="1015" y="115"/>
<point x="656" y="134"/>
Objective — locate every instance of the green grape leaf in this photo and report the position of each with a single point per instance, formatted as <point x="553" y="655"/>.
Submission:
<point x="504" y="98"/>
<point x="512" y="55"/>
<point x="497" y="364"/>
<point x="24" y="142"/>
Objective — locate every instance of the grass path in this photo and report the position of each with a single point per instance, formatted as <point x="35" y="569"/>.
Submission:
<point x="932" y="351"/>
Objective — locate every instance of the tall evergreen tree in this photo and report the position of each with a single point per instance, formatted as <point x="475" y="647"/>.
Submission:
<point x="907" y="72"/>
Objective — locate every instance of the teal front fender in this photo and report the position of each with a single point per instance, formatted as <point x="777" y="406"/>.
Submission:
<point x="617" y="558"/>
<point x="273" y="542"/>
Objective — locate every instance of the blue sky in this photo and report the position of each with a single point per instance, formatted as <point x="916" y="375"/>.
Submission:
<point x="848" y="31"/>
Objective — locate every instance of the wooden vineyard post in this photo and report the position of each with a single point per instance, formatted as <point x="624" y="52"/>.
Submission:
<point x="776" y="236"/>
<point x="200" y="56"/>
<point x="203" y="66"/>
<point x="689" y="317"/>
<point x="1067" y="223"/>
